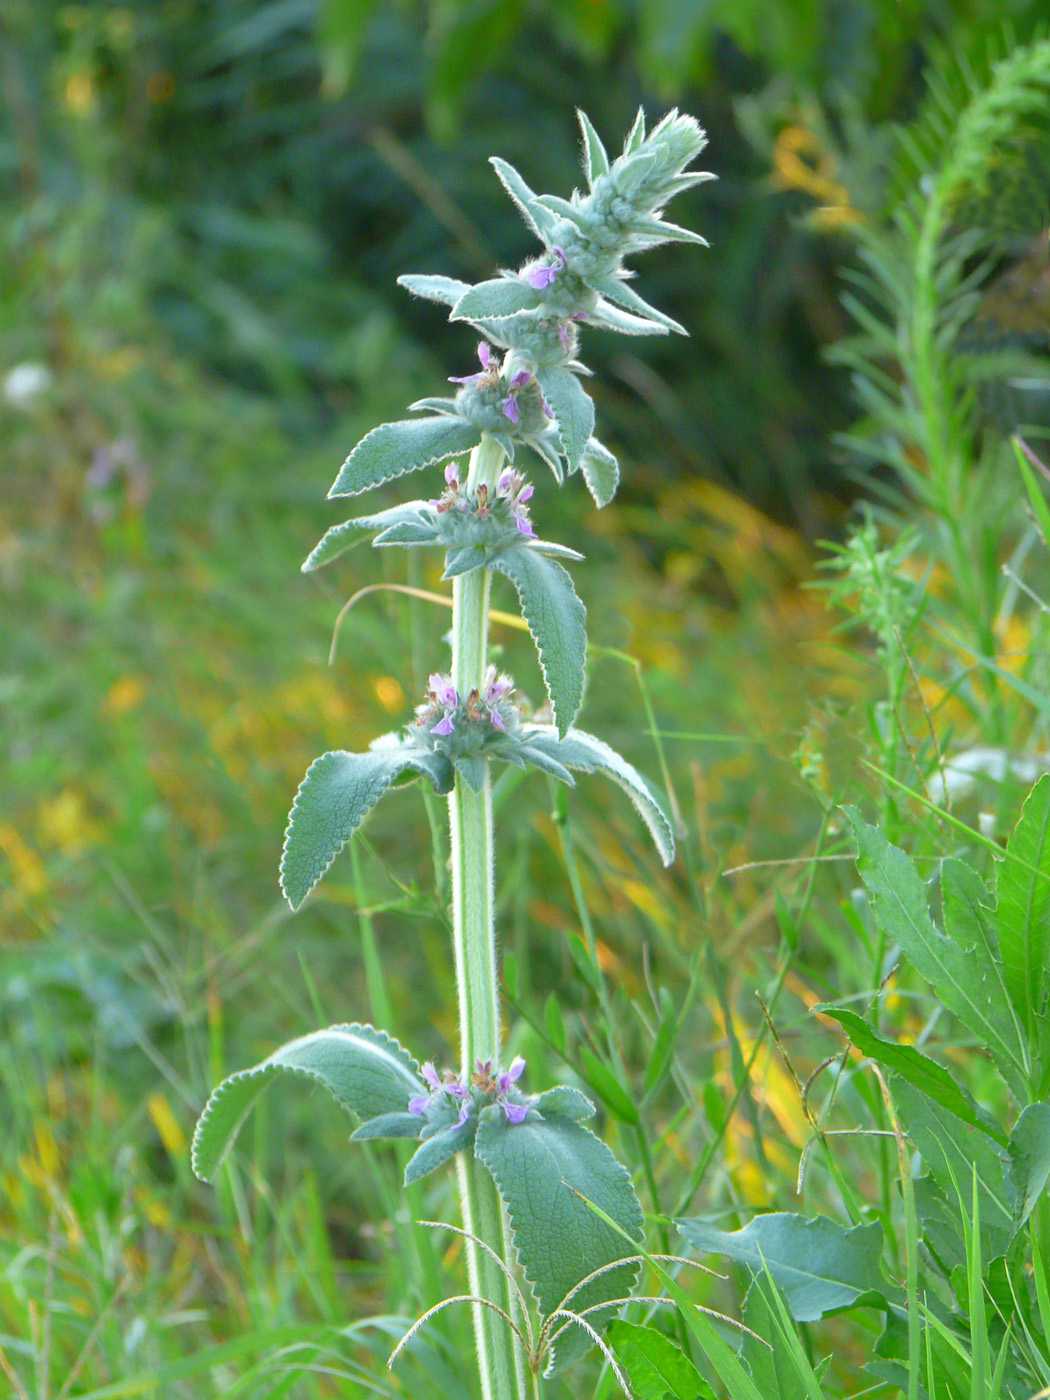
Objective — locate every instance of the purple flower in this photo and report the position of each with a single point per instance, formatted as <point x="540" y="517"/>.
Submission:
<point x="452" y="474"/>
<point x="525" y="492"/>
<point x="515" y="1112"/>
<point x="497" y="719"/>
<point x="496" y="686"/>
<point x="489" y="367"/>
<point x="506" y="481"/>
<point x="524" y="524"/>
<point x="543" y="274"/>
<point x="420" y="1102"/>
<point x="443" y="690"/>
<point x="444" y="726"/>
<point x="510" y="403"/>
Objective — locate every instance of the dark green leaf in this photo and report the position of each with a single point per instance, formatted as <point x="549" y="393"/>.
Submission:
<point x="608" y="1088"/>
<point x="967" y="979"/>
<point x="538" y="1166"/>
<point x="918" y="1069"/>
<point x="766" y="1355"/>
<point x="1022" y="912"/>
<point x="1028" y="1160"/>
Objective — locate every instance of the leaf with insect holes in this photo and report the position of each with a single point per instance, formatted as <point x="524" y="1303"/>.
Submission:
<point x="557" y="620"/>
<point x="393" y="449"/>
<point x="821" y="1266"/>
<point x="584" y="752"/>
<point x="538" y="1167"/>
<point x="573" y="410"/>
<point x="656" y="1368"/>
<point x="335" y="796"/>
<point x="363" y="1069"/>
<point x="968" y="979"/>
<point x="918" y="1069"/>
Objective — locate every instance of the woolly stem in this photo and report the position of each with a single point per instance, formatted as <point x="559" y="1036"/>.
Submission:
<point x="500" y="1359"/>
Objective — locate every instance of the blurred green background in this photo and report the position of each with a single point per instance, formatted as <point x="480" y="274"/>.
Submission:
<point x="206" y="203"/>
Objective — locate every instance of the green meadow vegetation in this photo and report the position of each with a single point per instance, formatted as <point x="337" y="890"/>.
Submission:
<point x="819" y="1040"/>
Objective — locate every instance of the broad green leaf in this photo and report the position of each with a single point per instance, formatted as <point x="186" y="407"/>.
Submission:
<point x="438" y="1149"/>
<point x="607" y="316"/>
<point x="1028" y="1160"/>
<point x="615" y="289"/>
<point x="533" y="212"/>
<point x="393" y="449"/>
<point x="940" y="1222"/>
<point x="416" y="515"/>
<point x="820" y="1266"/>
<point x="918" y="1069"/>
<point x="538" y="1166"/>
<point x="766" y="1355"/>
<point x="601" y="472"/>
<point x="573" y="410"/>
<point x="967" y="979"/>
<point x="655" y="1366"/>
<point x="563" y="1101"/>
<point x="584" y="752"/>
<point x="556" y="618"/>
<point x="951" y="1153"/>
<point x="502" y="296"/>
<point x="445" y="290"/>
<point x="1022" y="911"/>
<point x="363" y="1069"/>
<point x="336" y="794"/>
<point x="595" y="158"/>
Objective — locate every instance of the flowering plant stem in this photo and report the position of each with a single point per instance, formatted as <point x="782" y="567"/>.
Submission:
<point x="500" y="1358"/>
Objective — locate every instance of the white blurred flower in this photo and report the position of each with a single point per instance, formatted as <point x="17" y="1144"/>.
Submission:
<point x="24" y="383"/>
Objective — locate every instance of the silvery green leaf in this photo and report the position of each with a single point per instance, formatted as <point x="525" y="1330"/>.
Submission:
<point x="537" y="1166"/>
<point x="543" y="759"/>
<point x="471" y="768"/>
<point x="595" y="159"/>
<point x="564" y="208"/>
<point x="421" y="531"/>
<point x="436" y="405"/>
<point x="388" y="1125"/>
<point x="547" y="445"/>
<point x="608" y="317"/>
<point x="363" y="1069"/>
<point x="563" y="1101"/>
<point x="393" y="449"/>
<point x="555" y="551"/>
<point x="336" y="794"/>
<point x="505" y="441"/>
<point x="419" y="515"/>
<point x="615" y="289"/>
<point x="501" y="296"/>
<point x="590" y="755"/>
<point x="534" y="214"/>
<point x="445" y="290"/>
<point x="573" y="410"/>
<point x="461" y="559"/>
<point x="556" y="618"/>
<point x="636" y="135"/>
<point x="632" y="172"/>
<point x="438" y="1149"/>
<point x="665" y="232"/>
<point x="601" y="472"/>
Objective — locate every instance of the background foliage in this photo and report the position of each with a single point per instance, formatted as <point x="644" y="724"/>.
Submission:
<point x="207" y="204"/>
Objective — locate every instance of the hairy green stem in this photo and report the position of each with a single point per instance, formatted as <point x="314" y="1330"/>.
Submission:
<point x="500" y="1359"/>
